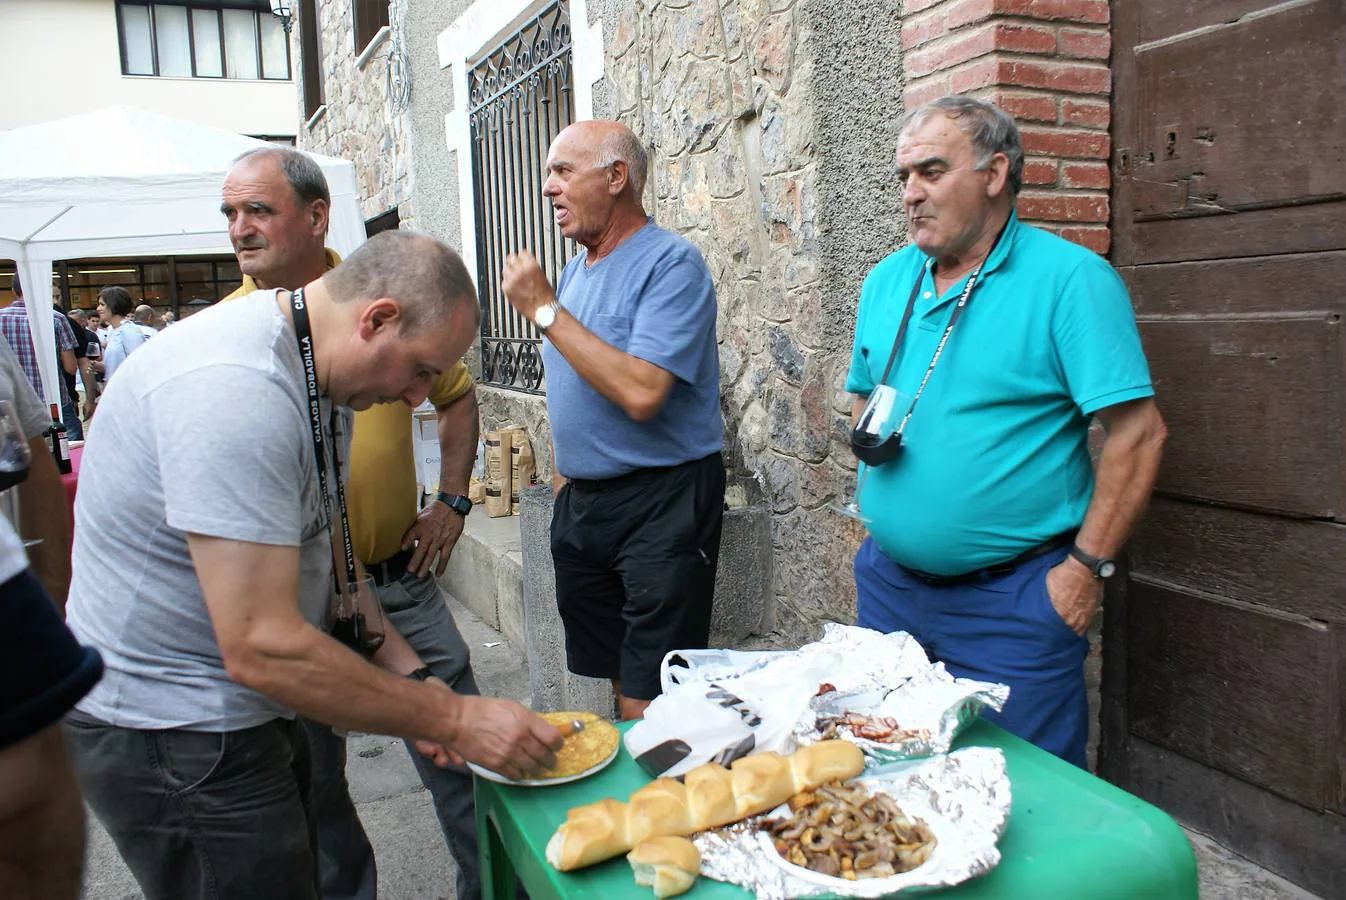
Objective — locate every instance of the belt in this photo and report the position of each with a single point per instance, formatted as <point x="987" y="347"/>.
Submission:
<point x="391" y="569"/>
<point x="634" y="477"/>
<point x="996" y="571"/>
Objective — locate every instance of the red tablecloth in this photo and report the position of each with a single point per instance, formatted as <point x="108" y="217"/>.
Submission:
<point x="71" y="482"/>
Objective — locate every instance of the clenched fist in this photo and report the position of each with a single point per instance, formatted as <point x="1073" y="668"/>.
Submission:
<point x="525" y="286"/>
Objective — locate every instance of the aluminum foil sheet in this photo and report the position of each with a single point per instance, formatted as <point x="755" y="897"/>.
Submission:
<point x="931" y="702"/>
<point x="775" y="695"/>
<point x="964" y="797"/>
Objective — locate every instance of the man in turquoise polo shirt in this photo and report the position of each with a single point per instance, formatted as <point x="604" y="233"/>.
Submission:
<point x="991" y="534"/>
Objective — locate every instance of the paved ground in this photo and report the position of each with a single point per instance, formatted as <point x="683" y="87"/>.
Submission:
<point x="413" y="864"/>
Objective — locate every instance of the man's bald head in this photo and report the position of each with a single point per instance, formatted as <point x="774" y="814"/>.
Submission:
<point x="595" y="177"/>
<point x="614" y="142"/>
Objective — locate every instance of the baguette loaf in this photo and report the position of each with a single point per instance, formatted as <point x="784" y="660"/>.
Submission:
<point x="712" y="796"/>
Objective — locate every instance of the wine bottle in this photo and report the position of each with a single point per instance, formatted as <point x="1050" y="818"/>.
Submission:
<point x="60" y="447"/>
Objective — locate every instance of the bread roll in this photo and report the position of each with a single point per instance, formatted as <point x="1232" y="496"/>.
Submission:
<point x="668" y="864"/>
<point x="712" y="796"/>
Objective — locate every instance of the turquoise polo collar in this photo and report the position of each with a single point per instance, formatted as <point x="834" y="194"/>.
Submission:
<point x="999" y="254"/>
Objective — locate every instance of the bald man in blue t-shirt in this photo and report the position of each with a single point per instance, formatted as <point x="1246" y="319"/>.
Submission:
<point x="633" y="398"/>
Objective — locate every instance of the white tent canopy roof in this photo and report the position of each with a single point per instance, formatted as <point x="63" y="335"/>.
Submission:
<point x="125" y="182"/>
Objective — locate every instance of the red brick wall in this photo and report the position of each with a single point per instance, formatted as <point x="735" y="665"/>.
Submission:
<point x="1045" y="62"/>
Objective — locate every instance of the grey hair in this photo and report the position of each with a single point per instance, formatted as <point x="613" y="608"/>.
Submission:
<point x="622" y="144"/>
<point x="425" y="277"/>
<point x="990" y="129"/>
<point x="304" y="175"/>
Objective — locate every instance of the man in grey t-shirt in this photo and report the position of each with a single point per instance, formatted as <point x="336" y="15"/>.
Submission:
<point x="203" y="580"/>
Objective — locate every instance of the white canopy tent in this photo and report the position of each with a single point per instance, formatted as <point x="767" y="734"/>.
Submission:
<point x="125" y="182"/>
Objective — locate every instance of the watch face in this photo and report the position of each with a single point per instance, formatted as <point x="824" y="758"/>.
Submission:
<point x="1107" y="568"/>
<point x="545" y="316"/>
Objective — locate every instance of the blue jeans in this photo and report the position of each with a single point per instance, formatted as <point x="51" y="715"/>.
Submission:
<point x="201" y="815"/>
<point x="1002" y="629"/>
<point x="346" y="859"/>
<point x="74" y="429"/>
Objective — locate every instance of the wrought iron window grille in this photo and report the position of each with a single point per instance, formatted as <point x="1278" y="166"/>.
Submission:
<point x="519" y="100"/>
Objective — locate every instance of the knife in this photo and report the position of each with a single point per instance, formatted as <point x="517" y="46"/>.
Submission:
<point x="661" y="757"/>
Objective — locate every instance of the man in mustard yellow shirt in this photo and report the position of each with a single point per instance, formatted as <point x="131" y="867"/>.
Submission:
<point x="276" y="204"/>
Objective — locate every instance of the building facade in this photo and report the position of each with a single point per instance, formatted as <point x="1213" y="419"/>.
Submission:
<point x="762" y="153"/>
<point x="222" y="63"/>
<point x="1152" y="132"/>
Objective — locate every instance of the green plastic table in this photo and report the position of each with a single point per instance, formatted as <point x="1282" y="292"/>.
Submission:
<point x="1070" y="836"/>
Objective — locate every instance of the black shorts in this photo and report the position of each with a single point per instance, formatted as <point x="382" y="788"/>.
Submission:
<point x="635" y="561"/>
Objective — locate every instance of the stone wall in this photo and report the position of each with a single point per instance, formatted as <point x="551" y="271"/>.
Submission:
<point x="765" y="155"/>
<point x="361" y="122"/>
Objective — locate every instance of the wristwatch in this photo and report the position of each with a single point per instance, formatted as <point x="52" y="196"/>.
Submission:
<point x="544" y="317"/>
<point x="1102" y="567"/>
<point x="456" y="502"/>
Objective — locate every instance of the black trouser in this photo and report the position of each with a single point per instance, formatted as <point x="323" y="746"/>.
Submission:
<point x="635" y="560"/>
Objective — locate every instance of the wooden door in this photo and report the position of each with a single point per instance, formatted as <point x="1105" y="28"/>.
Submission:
<point x="1225" y="657"/>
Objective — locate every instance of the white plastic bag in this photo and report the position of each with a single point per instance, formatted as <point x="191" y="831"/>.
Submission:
<point x="685" y="714"/>
<point x="683" y="666"/>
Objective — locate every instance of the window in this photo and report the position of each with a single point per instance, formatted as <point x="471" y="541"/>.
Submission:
<point x="384" y="221"/>
<point x="182" y="284"/>
<point x="226" y="39"/>
<point x="370" y="16"/>
<point x="519" y="100"/>
<point x="310" y="57"/>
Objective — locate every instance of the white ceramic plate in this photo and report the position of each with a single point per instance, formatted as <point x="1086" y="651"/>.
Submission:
<point x="546" y="782"/>
<point x="943" y="830"/>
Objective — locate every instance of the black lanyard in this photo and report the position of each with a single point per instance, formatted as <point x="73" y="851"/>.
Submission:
<point x="948" y="330"/>
<point x="304" y="336"/>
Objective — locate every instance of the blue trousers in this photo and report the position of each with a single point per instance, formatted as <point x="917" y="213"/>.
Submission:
<point x="74" y="428"/>
<point x="1001" y="629"/>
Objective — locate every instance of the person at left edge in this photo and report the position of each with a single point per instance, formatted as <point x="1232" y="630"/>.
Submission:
<point x="43" y="672"/>
<point x="43" y="513"/>
<point x="14" y="327"/>
<point x="276" y="202"/>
